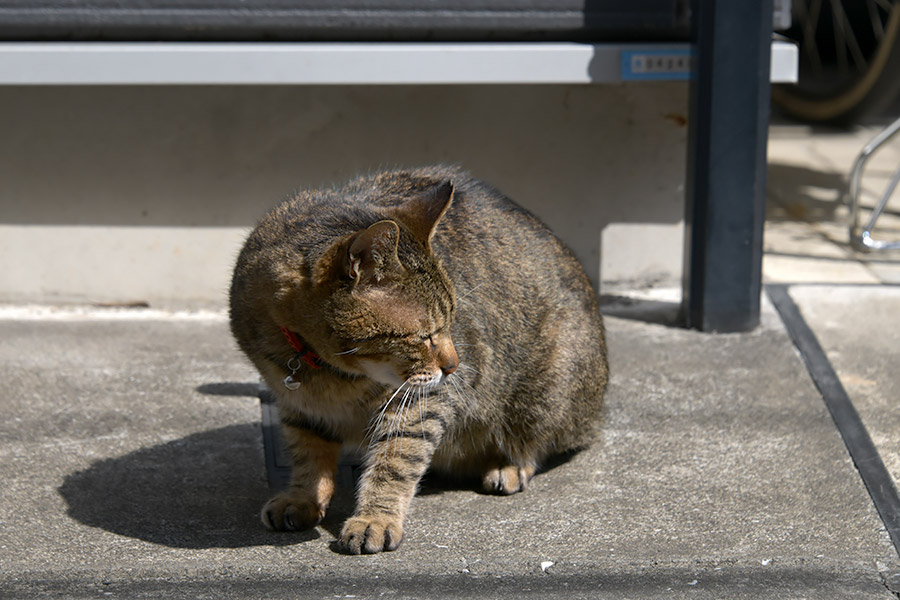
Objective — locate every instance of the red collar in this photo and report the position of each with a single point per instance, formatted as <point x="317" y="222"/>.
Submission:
<point x="309" y="357"/>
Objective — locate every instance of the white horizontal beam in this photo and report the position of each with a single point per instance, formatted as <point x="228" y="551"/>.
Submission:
<point x="90" y="63"/>
<point x="312" y="63"/>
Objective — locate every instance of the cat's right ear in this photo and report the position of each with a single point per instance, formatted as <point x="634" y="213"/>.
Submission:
<point x="372" y="254"/>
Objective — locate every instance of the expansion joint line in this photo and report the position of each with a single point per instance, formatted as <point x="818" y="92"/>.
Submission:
<point x="856" y="438"/>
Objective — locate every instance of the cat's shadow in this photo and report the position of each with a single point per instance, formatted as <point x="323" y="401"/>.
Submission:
<point x="204" y="490"/>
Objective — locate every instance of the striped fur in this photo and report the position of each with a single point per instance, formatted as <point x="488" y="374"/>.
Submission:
<point x="455" y="332"/>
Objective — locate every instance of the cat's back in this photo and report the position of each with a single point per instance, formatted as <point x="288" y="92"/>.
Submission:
<point x="486" y="239"/>
<point x="480" y="218"/>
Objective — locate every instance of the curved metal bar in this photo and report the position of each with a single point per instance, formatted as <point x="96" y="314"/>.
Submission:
<point x="863" y="238"/>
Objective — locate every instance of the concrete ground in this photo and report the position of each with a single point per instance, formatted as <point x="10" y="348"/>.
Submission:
<point x="132" y="462"/>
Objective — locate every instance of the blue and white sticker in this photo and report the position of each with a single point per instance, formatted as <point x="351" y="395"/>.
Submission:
<point x="656" y="65"/>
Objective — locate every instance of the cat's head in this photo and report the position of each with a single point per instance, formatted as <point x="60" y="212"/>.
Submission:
<point x="391" y="303"/>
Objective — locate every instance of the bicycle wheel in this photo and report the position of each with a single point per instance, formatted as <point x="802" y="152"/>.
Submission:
<point x="849" y="60"/>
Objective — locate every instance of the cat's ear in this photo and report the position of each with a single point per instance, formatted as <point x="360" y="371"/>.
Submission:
<point x="372" y="254"/>
<point x="422" y="213"/>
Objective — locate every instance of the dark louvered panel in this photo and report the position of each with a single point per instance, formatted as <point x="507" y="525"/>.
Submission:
<point x="343" y="20"/>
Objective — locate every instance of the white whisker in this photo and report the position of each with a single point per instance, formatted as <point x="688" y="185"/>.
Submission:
<point x="461" y="393"/>
<point x="469" y="368"/>
<point x="415" y="399"/>
<point x="393" y="423"/>
<point x="400" y="416"/>
<point x="422" y="401"/>
<point x="453" y="384"/>
<point x="470" y="291"/>
<point x="463" y="381"/>
<point x="379" y="419"/>
<point x="350" y="351"/>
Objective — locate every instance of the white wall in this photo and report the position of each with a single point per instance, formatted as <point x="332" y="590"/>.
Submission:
<point x="144" y="193"/>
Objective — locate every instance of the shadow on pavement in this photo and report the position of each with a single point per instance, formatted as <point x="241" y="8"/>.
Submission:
<point x="659" y="312"/>
<point x="801" y="193"/>
<point x="201" y="491"/>
<point x="230" y="388"/>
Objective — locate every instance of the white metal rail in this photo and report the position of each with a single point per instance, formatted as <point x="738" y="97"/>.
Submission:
<point x="237" y="63"/>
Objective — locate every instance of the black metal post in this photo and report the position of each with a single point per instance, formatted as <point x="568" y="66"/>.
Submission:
<point x="726" y="173"/>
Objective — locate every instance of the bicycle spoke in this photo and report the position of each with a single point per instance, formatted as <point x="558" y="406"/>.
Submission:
<point x="810" y="25"/>
<point x="850" y="43"/>
<point x="877" y="25"/>
<point x="849" y="52"/>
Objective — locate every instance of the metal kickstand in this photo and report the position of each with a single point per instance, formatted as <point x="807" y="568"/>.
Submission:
<point x="863" y="239"/>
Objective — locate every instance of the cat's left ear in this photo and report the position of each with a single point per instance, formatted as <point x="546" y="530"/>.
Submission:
<point x="422" y="213"/>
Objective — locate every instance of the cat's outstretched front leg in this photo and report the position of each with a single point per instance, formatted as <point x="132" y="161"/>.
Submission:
<point x="398" y="456"/>
<point x="303" y="504"/>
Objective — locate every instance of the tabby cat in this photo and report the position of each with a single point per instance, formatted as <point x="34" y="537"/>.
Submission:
<point x="426" y="318"/>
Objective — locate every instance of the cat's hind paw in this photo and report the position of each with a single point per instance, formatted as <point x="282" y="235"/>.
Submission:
<point x="507" y="480"/>
<point x="285" y="512"/>
<point x="370" y="535"/>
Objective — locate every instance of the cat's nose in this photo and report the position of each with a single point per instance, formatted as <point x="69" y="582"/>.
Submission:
<point x="446" y="354"/>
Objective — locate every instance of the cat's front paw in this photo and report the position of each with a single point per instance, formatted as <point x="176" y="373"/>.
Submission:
<point x="371" y="534"/>
<point x="287" y="512"/>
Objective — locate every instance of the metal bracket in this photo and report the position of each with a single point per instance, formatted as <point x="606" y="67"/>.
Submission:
<point x="278" y="458"/>
<point x="862" y="238"/>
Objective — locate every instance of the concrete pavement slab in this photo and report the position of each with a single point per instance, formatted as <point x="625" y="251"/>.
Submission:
<point x="829" y="150"/>
<point x="807" y="229"/>
<point x="859" y="329"/>
<point x="131" y="455"/>
<point x="805" y="255"/>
